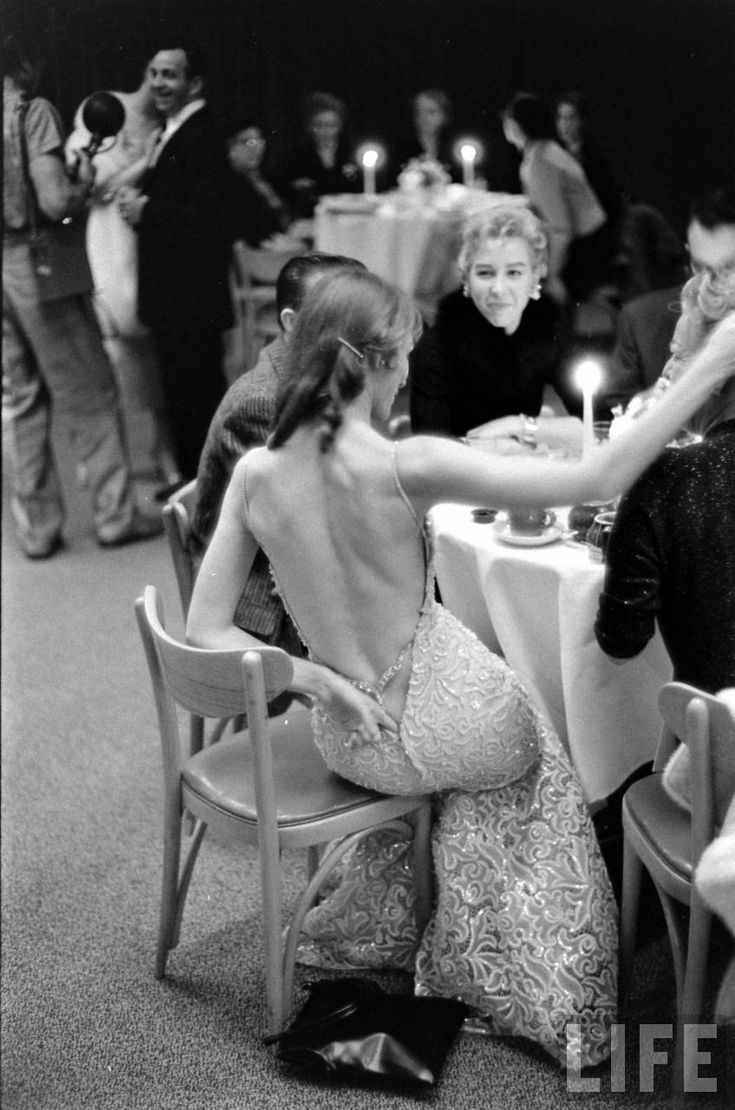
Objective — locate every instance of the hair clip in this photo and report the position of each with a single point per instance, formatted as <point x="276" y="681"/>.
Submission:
<point x="358" y="354"/>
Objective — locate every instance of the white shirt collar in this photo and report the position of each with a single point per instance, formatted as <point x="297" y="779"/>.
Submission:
<point x="173" y="123"/>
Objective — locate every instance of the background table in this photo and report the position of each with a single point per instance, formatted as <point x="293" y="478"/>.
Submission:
<point x="411" y="245"/>
<point x="537" y="606"/>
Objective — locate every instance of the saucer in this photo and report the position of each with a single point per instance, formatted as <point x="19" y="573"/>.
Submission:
<point x="516" y="539"/>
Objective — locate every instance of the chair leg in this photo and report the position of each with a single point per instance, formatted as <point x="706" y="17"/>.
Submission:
<point x="174" y="888"/>
<point x="423" y="868"/>
<point x="674" y="928"/>
<point x="632" y="873"/>
<point x="196" y="734"/>
<point x="218" y="730"/>
<point x="330" y="859"/>
<point x="313" y="859"/>
<point x="169" y="890"/>
<point x="196" y="743"/>
<point x="272" y="895"/>
<point x="185" y="878"/>
<point x="690" y="1002"/>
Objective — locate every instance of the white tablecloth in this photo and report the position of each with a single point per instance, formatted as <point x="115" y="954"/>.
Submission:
<point x="412" y="246"/>
<point x="537" y="606"/>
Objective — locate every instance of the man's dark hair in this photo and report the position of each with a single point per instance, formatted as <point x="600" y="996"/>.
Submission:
<point x="241" y="123"/>
<point x="21" y="61"/>
<point x="195" y="60"/>
<point x="714" y="208"/>
<point x="291" y="280"/>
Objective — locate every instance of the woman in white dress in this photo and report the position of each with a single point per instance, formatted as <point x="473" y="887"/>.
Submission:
<point x="112" y="249"/>
<point x="405" y="698"/>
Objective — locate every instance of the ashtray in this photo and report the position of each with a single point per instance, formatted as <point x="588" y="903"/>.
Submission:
<point x="484" y="516"/>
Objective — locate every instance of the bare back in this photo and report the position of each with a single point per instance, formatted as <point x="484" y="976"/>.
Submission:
<point x="346" y="551"/>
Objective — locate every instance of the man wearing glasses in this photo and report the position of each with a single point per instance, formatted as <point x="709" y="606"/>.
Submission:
<point x="646" y="324"/>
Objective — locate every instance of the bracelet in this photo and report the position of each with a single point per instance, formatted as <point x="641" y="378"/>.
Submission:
<point x="529" y="431"/>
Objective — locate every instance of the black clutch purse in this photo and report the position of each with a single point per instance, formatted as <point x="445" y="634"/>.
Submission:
<point x="352" y="1029"/>
<point x="58" y="250"/>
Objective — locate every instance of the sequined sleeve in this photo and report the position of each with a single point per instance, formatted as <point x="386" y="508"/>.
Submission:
<point x="629" y="603"/>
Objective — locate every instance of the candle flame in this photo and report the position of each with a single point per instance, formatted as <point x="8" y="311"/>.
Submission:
<point x="370" y="158"/>
<point x="588" y="375"/>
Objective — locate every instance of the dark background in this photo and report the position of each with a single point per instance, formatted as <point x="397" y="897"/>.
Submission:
<point x="660" y="73"/>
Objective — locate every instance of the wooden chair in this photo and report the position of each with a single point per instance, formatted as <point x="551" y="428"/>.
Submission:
<point x="668" y="841"/>
<point x="268" y="786"/>
<point x="253" y="276"/>
<point x="177" y="514"/>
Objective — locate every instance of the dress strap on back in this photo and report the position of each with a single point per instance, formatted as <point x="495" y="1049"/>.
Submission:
<point x="401" y="490"/>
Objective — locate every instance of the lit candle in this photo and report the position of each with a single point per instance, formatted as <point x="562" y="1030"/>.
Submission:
<point x="588" y="376"/>
<point x="369" y="162"/>
<point x="468" y="154"/>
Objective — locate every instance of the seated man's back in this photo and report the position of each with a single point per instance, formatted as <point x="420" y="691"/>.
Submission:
<point x="643" y="343"/>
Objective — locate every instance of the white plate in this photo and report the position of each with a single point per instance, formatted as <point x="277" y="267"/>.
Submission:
<point x="549" y="535"/>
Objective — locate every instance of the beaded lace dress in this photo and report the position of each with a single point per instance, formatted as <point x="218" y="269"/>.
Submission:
<point x="524" y="927"/>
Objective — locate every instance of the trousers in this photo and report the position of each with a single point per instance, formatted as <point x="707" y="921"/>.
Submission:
<point x="54" y="364"/>
<point x="194" y="384"/>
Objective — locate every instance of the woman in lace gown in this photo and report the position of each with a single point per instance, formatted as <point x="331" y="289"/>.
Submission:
<point x="405" y="698"/>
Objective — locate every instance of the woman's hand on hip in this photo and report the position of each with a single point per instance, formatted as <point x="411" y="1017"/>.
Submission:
<point x="355" y="711"/>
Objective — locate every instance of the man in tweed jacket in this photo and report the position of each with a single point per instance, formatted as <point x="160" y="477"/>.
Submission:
<point x="242" y="421"/>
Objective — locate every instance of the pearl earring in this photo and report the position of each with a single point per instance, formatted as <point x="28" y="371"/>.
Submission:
<point x="536" y="291"/>
<point x="465" y="290"/>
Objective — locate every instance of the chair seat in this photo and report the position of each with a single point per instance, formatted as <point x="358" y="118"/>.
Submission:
<point x="664" y="824"/>
<point x="222" y="775"/>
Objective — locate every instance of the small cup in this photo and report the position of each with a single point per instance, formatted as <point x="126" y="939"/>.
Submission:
<point x="530" y="522"/>
<point x="582" y="517"/>
<point x="598" y="535"/>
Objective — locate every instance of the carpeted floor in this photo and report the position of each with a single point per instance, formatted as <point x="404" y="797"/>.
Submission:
<point x="85" y="1026"/>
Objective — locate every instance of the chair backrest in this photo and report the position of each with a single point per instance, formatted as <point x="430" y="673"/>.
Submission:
<point x="707" y="726"/>
<point x="177" y="517"/>
<point x="206" y="683"/>
<point x="253" y="276"/>
<point x="256" y="266"/>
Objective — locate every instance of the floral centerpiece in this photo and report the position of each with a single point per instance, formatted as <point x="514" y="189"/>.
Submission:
<point x="423" y="173"/>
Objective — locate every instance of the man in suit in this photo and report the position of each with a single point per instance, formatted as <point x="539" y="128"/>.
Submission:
<point x="646" y="325"/>
<point x="642" y="343"/>
<point x="243" y="421"/>
<point x="182" y="211"/>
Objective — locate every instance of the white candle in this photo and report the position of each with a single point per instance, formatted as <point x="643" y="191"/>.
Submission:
<point x="468" y="154"/>
<point x="588" y="375"/>
<point x="369" y="162"/>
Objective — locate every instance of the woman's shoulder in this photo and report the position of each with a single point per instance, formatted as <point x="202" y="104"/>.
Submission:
<point x="544" y="316"/>
<point x="252" y="462"/>
<point x="455" y="314"/>
<point x="44" y="128"/>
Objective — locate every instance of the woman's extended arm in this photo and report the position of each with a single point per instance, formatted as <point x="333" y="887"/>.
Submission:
<point x="221" y="580"/>
<point x="434" y="470"/>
